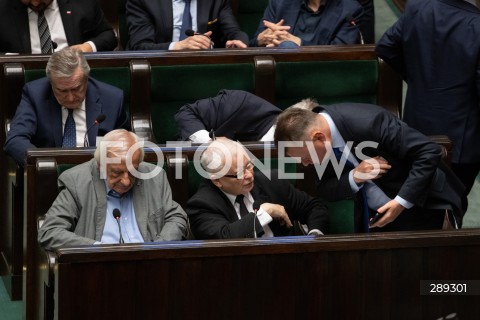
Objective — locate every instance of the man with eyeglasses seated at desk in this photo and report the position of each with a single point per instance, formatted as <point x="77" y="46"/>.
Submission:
<point x="67" y="108"/>
<point x="225" y="205"/>
<point x="114" y="198"/>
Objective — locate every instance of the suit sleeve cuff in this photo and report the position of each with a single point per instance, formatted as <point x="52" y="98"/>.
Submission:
<point x="201" y="136"/>
<point x="403" y="202"/>
<point x="263" y="217"/>
<point x="94" y="47"/>
<point x="315" y="232"/>
<point x="353" y="185"/>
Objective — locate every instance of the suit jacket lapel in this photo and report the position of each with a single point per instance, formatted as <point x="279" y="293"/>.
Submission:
<point x="22" y="26"/>
<point x="101" y="194"/>
<point x="203" y="7"/>
<point x="141" y="208"/>
<point x="56" y="116"/>
<point x="259" y="195"/>
<point x="67" y="15"/>
<point x="92" y="109"/>
<point x="166" y="17"/>
<point x="231" y="213"/>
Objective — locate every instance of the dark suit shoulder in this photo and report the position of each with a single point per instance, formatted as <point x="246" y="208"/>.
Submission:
<point x="104" y="87"/>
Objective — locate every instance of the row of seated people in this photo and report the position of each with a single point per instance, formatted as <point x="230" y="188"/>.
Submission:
<point x="146" y="81"/>
<point x="68" y="70"/>
<point x="117" y="191"/>
<point x="83" y="214"/>
<point x="46" y="25"/>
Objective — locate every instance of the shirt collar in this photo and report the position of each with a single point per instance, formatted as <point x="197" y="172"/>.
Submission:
<point x="82" y="107"/>
<point x="307" y="8"/>
<point x="337" y="139"/>
<point x="115" y="194"/>
<point x="232" y="197"/>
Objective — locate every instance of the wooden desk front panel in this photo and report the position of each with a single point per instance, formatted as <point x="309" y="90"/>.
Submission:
<point x="334" y="277"/>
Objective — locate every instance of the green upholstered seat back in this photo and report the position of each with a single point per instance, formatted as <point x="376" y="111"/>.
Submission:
<point x="61" y="167"/>
<point x="250" y="13"/>
<point x="326" y="81"/>
<point x="174" y="86"/>
<point x="116" y="76"/>
<point x="341" y="216"/>
<point x="34" y="74"/>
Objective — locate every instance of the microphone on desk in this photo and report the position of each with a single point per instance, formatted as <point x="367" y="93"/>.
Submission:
<point x="256" y="207"/>
<point x="54" y="46"/>
<point x="117" y="215"/>
<point x="190" y="33"/>
<point x="100" y="118"/>
<point x="350" y="20"/>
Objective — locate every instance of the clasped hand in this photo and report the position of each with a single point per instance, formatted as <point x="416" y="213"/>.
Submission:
<point x="195" y="42"/>
<point x="370" y="169"/>
<point x="276" y="33"/>
<point x="203" y="41"/>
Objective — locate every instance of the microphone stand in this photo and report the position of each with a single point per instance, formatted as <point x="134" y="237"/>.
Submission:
<point x="120" y="232"/>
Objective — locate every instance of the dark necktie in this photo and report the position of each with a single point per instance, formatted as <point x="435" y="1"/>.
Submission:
<point x="243" y="207"/>
<point x="69" y="132"/>
<point x="44" y="33"/>
<point x="186" y="20"/>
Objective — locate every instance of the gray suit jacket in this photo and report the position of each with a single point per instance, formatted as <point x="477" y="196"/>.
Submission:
<point x="77" y="216"/>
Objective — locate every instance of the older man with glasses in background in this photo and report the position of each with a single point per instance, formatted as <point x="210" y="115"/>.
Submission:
<point x="67" y="108"/>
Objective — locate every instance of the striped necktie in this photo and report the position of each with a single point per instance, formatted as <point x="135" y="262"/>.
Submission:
<point x="69" y="132"/>
<point x="44" y="33"/>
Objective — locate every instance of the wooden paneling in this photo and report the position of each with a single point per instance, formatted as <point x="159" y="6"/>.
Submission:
<point x="374" y="276"/>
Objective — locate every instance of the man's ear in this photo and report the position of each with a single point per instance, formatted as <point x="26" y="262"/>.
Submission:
<point x="215" y="181"/>
<point x="318" y="135"/>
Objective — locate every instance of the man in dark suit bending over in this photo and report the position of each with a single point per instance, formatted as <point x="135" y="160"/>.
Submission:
<point x="235" y="114"/>
<point x="224" y="205"/>
<point x="58" y="110"/>
<point x="27" y="24"/>
<point x="394" y="169"/>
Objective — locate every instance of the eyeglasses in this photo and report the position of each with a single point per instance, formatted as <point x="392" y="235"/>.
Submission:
<point x="241" y="174"/>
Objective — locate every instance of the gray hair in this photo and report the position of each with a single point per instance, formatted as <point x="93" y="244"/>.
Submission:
<point x="307" y="104"/>
<point x="214" y="157"/>
<point x="128" y="137"/>
<point x="64" y="63"/>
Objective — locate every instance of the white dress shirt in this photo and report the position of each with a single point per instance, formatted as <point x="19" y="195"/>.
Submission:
<point x="55" y="25"/>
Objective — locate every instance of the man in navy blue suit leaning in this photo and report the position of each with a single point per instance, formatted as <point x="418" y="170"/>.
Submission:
<point x="66" y="92"/>
<point x="434" y="45"/>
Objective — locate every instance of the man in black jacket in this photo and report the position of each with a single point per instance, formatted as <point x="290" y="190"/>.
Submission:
<point x="237" y="202"/>
<point x="70" y="23"/>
